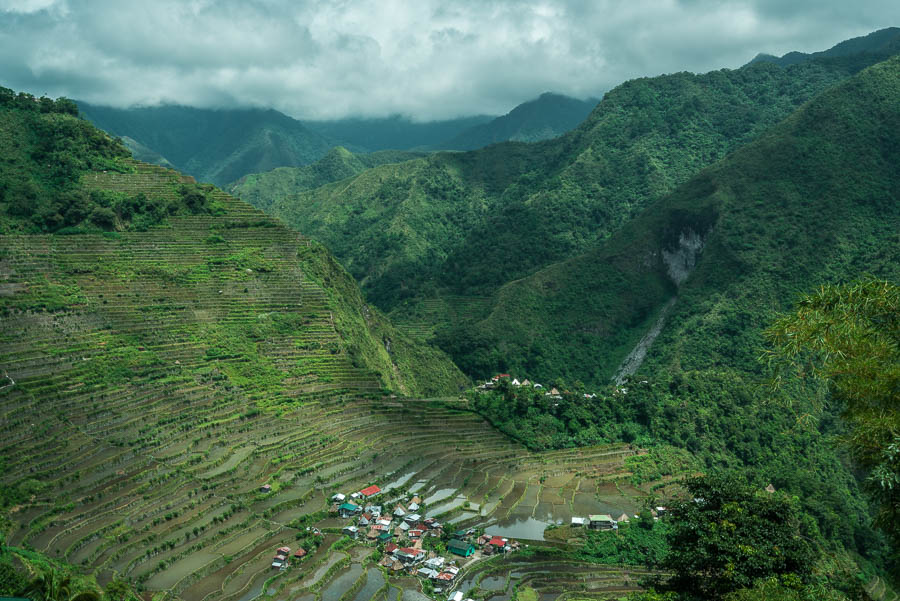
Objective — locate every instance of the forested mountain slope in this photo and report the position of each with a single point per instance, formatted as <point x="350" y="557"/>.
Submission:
<point x="453" y="227"/>
<point x="543" y="118"/>
<point x="262" y="189"/>
<point x="217" y="146"/>
<point x="813" y="200"/>
<point x="698" y="276"/>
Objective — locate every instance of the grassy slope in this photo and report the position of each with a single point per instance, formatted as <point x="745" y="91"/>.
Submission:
<point x="231" y="264"/>
<point x="466" y="223"/>
<point x="262" y="189"/>
<point x="811" y="201"/>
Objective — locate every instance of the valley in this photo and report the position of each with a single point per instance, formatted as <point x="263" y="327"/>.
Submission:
<point x="157" y="379"/>
<point x="643" y="349"/>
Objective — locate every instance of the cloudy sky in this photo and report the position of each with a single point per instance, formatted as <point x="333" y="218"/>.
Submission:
<point x="422" y="58"/>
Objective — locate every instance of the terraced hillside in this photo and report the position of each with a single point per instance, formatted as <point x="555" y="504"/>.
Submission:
<point x="162" y="485"/>
<point x="232" y="297"/>
<point x="155" y="376"/>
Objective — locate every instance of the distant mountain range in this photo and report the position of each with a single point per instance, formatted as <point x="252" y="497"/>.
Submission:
<point x="223" y="145"/>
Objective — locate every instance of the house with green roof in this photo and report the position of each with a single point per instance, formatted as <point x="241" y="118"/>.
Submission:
<point x="461" y="548"/>
<point x="601" y="522"/>
<point x="348" y="510"/>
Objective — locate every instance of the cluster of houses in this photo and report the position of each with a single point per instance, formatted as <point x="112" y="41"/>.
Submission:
<point x="402" y="529"/>
<point x="371" y="521"/>
<point x="605" y="521"/>
<point x="281" y="561"/>
<point x="552" y="393"/>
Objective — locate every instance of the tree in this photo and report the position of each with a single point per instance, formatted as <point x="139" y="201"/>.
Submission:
<point x="728" y="535"/>
<point x="847" y="338"/>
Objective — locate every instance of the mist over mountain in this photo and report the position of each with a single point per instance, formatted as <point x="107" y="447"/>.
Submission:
<point x="548" y="116"/>
<point x="221" y="146"/>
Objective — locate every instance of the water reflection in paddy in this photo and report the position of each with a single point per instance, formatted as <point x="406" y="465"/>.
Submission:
<point x="457" y="502"/>
<point x="342" y="583"/>
<point x="374" y="582"/>
<point x="528" y="528"/>
<point x="439" y="495"/>
<point x="399" y="481"/>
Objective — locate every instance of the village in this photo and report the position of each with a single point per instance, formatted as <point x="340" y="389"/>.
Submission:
<point x="553" y="392"/>
<point x="412" y="544"/>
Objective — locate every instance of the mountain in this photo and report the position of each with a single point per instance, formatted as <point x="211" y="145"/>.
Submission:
<point x="882" y="42"/>
<point x="674" y="305"/>
<point x="548" y="116"/>
<point x="432" y="239"/>
<point x="813" y="200"/>
<point x="217" y="146"/>
<point x="223" y="145"/>
<point x="186" y="383"/>
<point x="392" y="133"/>
<point x="261" y="189"/>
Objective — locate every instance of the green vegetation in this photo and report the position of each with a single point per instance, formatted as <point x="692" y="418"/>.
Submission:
<point x="809" y="202"/>
<point x="465" y="248"/>
<point x="217" y="146"/>
<point x="261" y="189"/>
<point x="46" y="148"/>
<point x="848" y="337"/>
<point x="282" y="291"/>
<point x="159" y="372"/>
<point x="35" y="576"/>
<point x="727" y="535"/>
<point x="639" y="543"/>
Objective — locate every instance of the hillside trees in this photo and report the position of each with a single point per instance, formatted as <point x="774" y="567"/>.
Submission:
<point x="847" y="337"/>
<point x="728" y="535"/>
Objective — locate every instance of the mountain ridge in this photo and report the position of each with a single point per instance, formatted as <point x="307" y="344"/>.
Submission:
<point x="449" y="229"/>
<point x="883" y="41"/>
<point x="547" y="116"/>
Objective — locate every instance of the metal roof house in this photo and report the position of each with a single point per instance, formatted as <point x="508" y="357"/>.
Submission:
<point x="460" y="548"/>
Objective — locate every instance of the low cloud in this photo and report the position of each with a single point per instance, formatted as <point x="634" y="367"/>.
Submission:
<point x="426" y="59"/>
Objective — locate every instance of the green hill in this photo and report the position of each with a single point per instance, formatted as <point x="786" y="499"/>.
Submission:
<point x="155" y="271"/>
<point x="217" y="146"/>
<point x="813" y="200"/>
<point x="261" y="189"/>
<point x="548" y="116"/>
<point x="675" y="304"/>
<point x="429" y="239"/>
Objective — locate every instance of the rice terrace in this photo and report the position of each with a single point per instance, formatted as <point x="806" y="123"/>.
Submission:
<point x="308" y="302"/>
<point x="185" y="405"/>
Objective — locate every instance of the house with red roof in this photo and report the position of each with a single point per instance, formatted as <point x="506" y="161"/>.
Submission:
<point x="370" y="491"/>
<point x="409" y="555"/>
